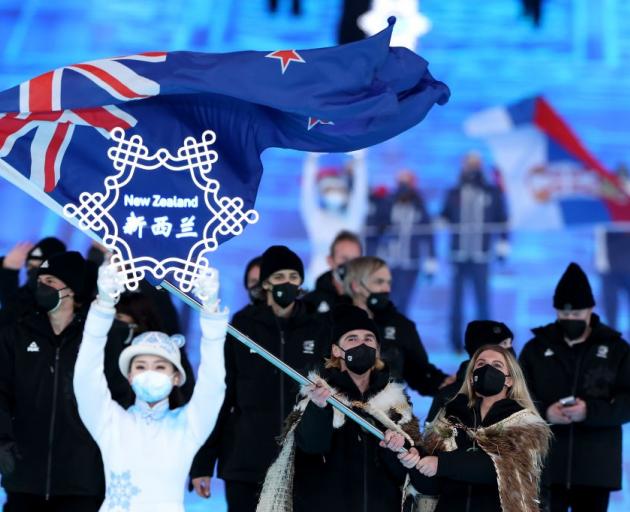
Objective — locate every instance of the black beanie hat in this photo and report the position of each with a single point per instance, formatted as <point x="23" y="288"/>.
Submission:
<point x="347" y="317"/>
<point x="252" y="263"/>
<point x="280" y="257"/>
<point x="69" y="267"/>
<point x="485" y="332"/>
<point x="46" y="248"/>
<point x="573" y="290"/>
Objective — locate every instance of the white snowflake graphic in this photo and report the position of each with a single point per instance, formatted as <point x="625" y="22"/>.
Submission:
<point x="120" y="490"/>
<point x="227" y="215"/>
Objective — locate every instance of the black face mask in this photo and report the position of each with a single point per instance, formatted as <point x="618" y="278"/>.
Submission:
<point x="48" y="298"/>
<point x="285" y="294"/>
<point x="378" y="301"/>
<point x="254" y="294"/>
<point x="572" y="329"/>
<point x="488" y="381"/>
<point x="360" y="359"/>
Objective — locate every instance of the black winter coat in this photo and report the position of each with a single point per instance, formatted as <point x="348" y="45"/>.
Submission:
<point x="466" y="480"/>
<point x="324" y="297"/>
<point x="258" y="396"/>
<point x="38" y="409"/>
<point x="447" y="392"/>
<point x="344" y="469"/>
<point x="598" y="372"/>
<point x="404" y="353"/>
<point x="15" y="300"/>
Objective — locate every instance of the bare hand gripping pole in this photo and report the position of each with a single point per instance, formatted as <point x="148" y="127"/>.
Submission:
<point x="281" y="365"/>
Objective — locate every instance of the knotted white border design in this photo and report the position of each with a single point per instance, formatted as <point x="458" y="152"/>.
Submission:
<point x="227" y="214"/>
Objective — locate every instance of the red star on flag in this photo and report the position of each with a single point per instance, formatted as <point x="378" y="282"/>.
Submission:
<point x="286" y="57"/>
<point x="313" y="121"/>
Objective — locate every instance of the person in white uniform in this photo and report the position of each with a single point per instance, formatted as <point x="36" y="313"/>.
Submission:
<point x="148" y="449"/>
<point x="330" y="204"/>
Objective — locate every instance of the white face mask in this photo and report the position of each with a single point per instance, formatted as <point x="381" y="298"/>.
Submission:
<point x="335" y="200"/>
<point x="151" y="386"/>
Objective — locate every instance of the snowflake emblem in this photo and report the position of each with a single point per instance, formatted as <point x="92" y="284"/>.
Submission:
<point x="120" y="490"/>
<point x="225" y="216"/>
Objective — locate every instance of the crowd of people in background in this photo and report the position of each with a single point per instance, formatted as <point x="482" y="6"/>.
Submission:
<point x="541" y="432"/>
<point x="82" y="429"/>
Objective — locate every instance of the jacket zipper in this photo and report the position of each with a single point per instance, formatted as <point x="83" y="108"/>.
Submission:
<point x="365" y="496"/>
<point x="51" y="432"/>
<point x="282" y="411"/>
<point x="469" y="492"/>
<point x="578" y="366"/>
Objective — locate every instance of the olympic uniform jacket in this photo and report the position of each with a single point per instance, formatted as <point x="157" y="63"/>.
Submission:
<point x="404" y="353"/>
<point x="38" y="410"/>
<point x="324" y="297"/>
<point x="598" y="372"/>
<point x="258" y="396"/>
<point x="147" y="451"/>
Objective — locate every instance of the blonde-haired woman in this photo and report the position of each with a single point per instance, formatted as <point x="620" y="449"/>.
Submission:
<point x="485" y="449"/>
<point x="368" y="282"/>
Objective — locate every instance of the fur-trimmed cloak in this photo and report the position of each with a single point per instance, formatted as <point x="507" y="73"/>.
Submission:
<point x="391" y="409"/>
<point x="517" y="446"/>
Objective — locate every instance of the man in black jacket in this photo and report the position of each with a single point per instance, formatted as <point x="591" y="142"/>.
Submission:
<point x="368" y="283"/>
<point x="15" y="300"/>
<point x="578" y="371"/>
<point x="329" y="290"/>
<point x="48" y="460"/>
<point x="478" y="333"/>
<point x="259" y="397"/>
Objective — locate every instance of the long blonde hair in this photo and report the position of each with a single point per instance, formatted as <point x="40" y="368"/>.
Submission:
<point x="359" y="269"/>
<point x="517" y="392"/>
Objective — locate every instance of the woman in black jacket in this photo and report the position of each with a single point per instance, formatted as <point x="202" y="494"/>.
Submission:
<point x="328" y="462"/>
<point x="484" y="451"/>
<point x="368" y="282"/>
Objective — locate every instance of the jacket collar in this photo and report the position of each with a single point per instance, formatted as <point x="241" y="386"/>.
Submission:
<point x="344" y="383"/>
<point x="144" y="411"/>
<point x="263" y="313"/>
<point x="599" y="332"/>
<point x="458" y="408"/>
<point x="39" y="322"/>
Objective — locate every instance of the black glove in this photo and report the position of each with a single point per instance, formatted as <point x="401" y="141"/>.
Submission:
<point x="8" y="455"/>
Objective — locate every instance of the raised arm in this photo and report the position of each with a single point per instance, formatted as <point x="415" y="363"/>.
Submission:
<point x="309" y="200"/>
<point x="358" y="202"/>
<point x="96" y="406"/>
<point x="204" y="406"/>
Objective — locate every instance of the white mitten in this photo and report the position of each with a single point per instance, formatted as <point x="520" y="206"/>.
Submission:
<point x="110" y="283"/>
<point x="207" y="290"/>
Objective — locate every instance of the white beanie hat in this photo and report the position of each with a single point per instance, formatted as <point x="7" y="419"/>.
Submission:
<point x="156" y="344"/>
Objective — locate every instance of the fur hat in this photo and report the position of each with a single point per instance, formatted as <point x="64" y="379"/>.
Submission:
<point x="280" y="257"/>
<point x="69" y="267"/>
<point x="46" y="248"/>
<point x="485" y="332"/>
<point x="156" y="344"/>
<point x="346" y="318"/>
<point x="573" y="290"/>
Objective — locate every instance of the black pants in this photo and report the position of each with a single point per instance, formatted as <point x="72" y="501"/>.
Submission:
<point x="580" y="499"/>
<point x="242" y="496"/>
<point x="19" y="502"/>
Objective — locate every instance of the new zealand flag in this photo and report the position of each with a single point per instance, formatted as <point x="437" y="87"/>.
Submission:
<point x="158" y="154"/>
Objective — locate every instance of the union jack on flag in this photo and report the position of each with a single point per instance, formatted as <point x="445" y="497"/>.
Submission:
<point x="41" y="111"/>
<point x="55" y="128"/>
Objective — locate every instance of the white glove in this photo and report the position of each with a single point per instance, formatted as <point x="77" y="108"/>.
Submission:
<point x="110" y="283"/>
<point x="503" y="249"/>
<point x="206" y="288"/>
<point x="430" y="266"/>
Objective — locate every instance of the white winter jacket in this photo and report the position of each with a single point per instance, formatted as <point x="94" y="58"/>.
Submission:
<point x="147" y="452"/>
